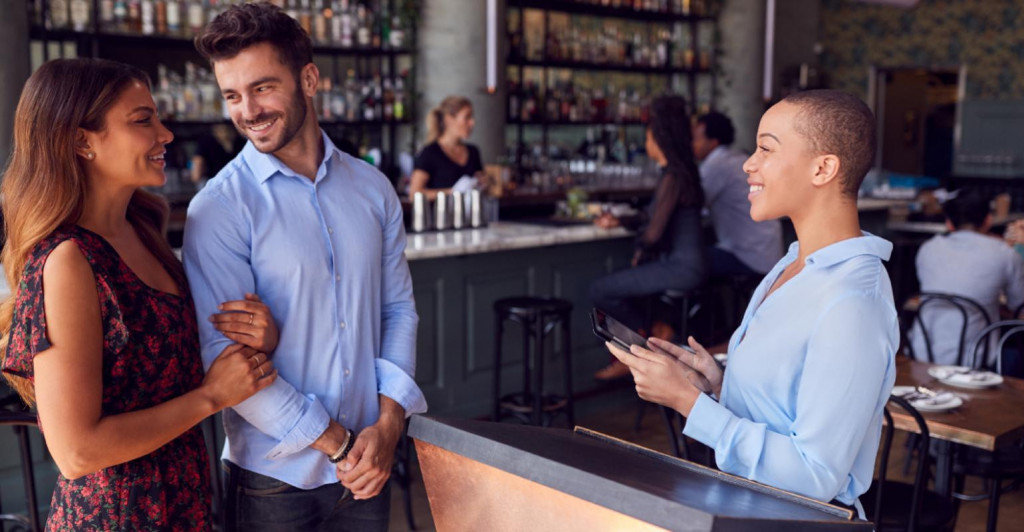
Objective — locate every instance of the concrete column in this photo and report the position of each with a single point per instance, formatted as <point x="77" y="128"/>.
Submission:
<point x="14" y="66"/>
<point x="452" y="60"/>
<point x="741" y="27"/>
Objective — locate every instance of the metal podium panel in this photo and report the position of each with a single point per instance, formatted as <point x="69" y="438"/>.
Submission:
<point x="495" y="476"/>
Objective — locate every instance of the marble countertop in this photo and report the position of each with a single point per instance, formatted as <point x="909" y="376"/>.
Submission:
<point x="502" y="236"/>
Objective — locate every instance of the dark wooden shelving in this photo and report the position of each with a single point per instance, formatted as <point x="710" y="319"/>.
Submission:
<point x="579" y="8"/>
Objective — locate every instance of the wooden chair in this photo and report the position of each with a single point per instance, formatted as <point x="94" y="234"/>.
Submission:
<point x="893" y="505"/>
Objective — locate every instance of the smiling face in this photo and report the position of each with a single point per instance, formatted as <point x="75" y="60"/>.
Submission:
<point x="129" y="150"/>
<point x="266" y="102"/>
<point x="782" y="170"/>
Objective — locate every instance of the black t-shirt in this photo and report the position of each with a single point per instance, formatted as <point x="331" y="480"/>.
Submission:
<point x="214" y="156"/>
<point x="443" y="171"/>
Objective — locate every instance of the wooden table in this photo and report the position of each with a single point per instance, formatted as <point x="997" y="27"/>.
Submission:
<point x="988" y="419"/>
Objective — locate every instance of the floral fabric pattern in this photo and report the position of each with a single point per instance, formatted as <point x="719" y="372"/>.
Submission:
<point x="150" y="355"/>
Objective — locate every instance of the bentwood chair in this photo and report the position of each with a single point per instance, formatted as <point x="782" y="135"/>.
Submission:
<point x="1005" y="464"/>
<point x="894" y="505"/>
<point x="938" y="302"/>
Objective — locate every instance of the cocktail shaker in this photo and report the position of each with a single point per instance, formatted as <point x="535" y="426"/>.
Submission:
<point x="442" y="212"/>
<point x="476" y="209"/>
<point x="458" y="210"/>
<point x="420" y="213"/>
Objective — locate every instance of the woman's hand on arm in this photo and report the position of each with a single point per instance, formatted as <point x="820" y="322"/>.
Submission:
<point x="662" y="379"/>
<point x="249" y="322"/>
<point x="69" y="380"/>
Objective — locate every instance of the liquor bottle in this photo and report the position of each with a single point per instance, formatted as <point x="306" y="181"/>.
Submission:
<point x="347" y="24"/>
<point x="161" y="17"/>
<point x="399" y="110"/>
<point x="389" y="101"/>
<point x="196" y="17"/>
<point x="363" y="24"/>
<point x="106" y="14"/>
<point x="174" y="13"/>
<point x="397" y="36"/>
<point x="321" y="22"/>
<point x="335" y="21"/>
<point x="148" y="13"/>
<point x="81" y="14"/>
<point x="134" y="16"/>
<point x="59" y="15"/>
<point x="121" y="15"/>
<point x="306" y="17"/>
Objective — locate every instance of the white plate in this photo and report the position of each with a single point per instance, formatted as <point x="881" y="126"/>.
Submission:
<point x="958" y="376"/>
<point x="926" y="405"/>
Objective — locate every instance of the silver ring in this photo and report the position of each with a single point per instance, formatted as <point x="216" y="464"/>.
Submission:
<point x="262" y="374"/>
<point x="251" y="316"/>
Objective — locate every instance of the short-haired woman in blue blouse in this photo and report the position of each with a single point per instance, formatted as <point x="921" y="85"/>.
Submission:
<point x="812" y="364"/>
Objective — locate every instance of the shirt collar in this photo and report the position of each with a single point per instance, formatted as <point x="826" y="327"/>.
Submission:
<point x="841" y="251"/>
<point x="265" y="165"/>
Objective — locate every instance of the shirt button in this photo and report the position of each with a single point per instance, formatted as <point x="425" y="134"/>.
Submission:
<point x="347" y="372"/>
<point x="343" y="416"/>
<point x="337" y="277"/>
<point x="342" y="325"/>
<point x="330" y="231"/>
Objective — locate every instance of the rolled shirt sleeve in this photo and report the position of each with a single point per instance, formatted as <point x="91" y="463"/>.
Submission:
<point x="396" y="366"/>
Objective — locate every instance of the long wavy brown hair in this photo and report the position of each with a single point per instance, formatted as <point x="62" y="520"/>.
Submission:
<point x="44" y="185"/>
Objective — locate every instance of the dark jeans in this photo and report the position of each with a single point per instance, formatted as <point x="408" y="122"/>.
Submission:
<point x="725" y="264"/>
<point x="260" y="503"/>
<point x="617" y="293"/>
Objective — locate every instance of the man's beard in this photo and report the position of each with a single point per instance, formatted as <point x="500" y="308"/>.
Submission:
<point x="292" y="119"/>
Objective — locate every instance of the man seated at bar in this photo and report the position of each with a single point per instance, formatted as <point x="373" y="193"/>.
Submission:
<point x="967" y="262"/>
<point x="447" y="157"/>
<point x="812" y="364"/>
<point x="744" y="247"/>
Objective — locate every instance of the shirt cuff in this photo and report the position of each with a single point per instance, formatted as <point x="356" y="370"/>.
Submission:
<point x="707" y="421"/>
<point x="399" y="386"/>
<point x="307" y="429"/>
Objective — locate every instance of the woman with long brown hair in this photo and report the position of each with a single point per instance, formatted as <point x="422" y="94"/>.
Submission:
<point x="101" y="333"/>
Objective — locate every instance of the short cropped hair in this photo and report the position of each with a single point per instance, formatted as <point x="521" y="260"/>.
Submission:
<point x="245" y="25"/>
<point x="718" y="126"/>
<point x="969" y="208"/>
<point x="839" y="124"/>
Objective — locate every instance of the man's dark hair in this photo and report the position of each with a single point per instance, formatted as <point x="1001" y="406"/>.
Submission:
<point x="245" y="25"/>
<point x="839" y="124"/>
<point x="969" y="208"/>
<point x="718" y="126"/>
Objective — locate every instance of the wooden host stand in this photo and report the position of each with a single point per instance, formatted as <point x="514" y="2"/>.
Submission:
<point x="497" y="477"/>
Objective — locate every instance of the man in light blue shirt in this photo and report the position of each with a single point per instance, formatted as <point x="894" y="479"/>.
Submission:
<point x="811" y="366"/>
<point x="744" y="247"/>
<point x="971" y="263"/>
<point x="319" y="236"/>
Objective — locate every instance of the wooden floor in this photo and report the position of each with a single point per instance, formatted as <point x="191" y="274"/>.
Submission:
<point x="616" y="418"/>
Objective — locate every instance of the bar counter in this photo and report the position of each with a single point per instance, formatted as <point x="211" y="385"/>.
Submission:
<point x="503" y="236"/>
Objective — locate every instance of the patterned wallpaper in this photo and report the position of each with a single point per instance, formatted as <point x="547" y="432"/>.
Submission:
<point x="987" y="35"/>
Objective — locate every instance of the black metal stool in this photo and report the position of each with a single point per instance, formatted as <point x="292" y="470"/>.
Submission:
<point x="20" y="421"/>
<point x="537" y="317"/>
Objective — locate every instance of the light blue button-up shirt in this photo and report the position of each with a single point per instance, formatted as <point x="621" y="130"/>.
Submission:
<point x="810" y="370"/>
<point x="327" y="257"/>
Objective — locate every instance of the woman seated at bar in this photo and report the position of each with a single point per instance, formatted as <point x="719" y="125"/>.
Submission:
<point x="447" y="156"/>
<point x="967" y="262"/>
<point x="669" y="251"/>
<point x="812" y="365"/>
<point x="109" y="351"/>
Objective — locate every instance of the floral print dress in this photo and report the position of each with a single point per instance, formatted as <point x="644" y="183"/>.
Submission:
<point x="150" y="355"/>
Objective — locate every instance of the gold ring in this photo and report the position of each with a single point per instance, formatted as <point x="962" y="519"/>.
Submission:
<point x="251" y="316"/>
<point x="262" y="374"/>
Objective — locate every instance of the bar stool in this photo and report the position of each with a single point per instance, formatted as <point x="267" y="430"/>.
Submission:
<point x="20" y="421"/>
<point x="536" y="317"/>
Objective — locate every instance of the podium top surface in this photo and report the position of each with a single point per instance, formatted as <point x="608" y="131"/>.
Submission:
<point x="656" y="488"/>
